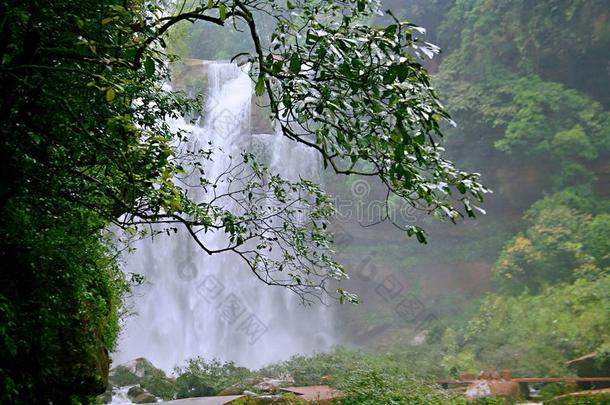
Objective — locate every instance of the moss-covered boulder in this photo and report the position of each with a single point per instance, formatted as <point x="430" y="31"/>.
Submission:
<point x="144" y="374"/>
<point x="135" y="391"/>
<point x="144" y="398"/>
<point x="132" y="372"/>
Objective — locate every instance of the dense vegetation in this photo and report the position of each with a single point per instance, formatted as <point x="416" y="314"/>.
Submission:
<point x="522" y="80"/>
<point x="363" y="379"/>
<point x="85" y="147"/>
<point x="87" y="151"/>
<point x="540" y="109"/>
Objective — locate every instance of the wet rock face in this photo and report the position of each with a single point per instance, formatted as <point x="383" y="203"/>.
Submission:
<point x="144" y="398"/>
<point x="135" y="391"/>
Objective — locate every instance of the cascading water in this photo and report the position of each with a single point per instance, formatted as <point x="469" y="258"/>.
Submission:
<point x="192" y="304"/>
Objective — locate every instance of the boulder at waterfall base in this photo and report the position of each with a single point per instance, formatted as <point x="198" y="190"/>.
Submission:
<point x="143" y="373"/>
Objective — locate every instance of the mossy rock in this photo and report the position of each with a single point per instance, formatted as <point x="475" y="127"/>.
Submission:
<point x="135" y="391"/>
<point x="121" y="377"/>
<point x="142" y="372"/>
<point x="139" y="395"/>
<point x="133" y="372"/>
<point x="144" y="398"/>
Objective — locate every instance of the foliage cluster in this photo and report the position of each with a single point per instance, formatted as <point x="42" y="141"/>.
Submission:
<point x="525" y="93"/>
<point x="86" y="143"/>
<point x="364" y="378"/>
<point x="330" y="368"/>
<point x="528" y="37"/>
<point x="372" y="387"/>
<point x="66" y="140"/>
<point x="200" y="378"/>
<point x="536" y="334"/>
<point x="70" y="280"/>
<point x="561" y="243"/>
<point x="531" y="119"/>
<point x="551" y="300"/>
<point x="285" y="399"/>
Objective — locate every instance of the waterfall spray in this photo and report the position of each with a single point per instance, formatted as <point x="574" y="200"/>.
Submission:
<point x="192" y="304"/>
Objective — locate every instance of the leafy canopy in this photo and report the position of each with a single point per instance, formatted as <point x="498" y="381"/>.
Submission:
<point x="86" y="144"/>
<point x="355" y="93"/>
<point x="560" y="244"/>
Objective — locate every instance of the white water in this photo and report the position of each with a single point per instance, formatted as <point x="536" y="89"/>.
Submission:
<point x="119" y="396"/>
<point x="181" y="308"/>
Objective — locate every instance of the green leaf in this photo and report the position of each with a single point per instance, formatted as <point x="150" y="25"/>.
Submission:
<point x="210" y="3"/>
<point x="120" y="10"/>
<point x="276" y="67"/>
<point x="295" y="64"/>
<point x="421" y="237"/>
<point x="341" y="295"/>
<point x="361" y="4"/>
<point x="418" y="232"/>
<point x="260" y="86"/>
<point x="149" y="67"/>
<point x="79" y="22"/>
<point x="110" y="95"/>
<point x="403" y="71"/>
<point x="223" y="12"/>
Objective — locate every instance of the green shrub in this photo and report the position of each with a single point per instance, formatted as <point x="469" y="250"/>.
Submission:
<point x="331" y="368"/>
<point x="59" y="306"/>
<point x="550" y="391"/>
<point x="373" y="387"/>
<point x="204" y="378"/>
<point x="160" y="386"/>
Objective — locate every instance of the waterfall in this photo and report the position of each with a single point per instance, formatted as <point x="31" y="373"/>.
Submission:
<point x="192" y="304"/>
